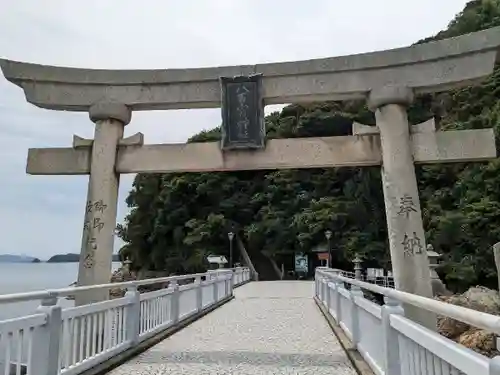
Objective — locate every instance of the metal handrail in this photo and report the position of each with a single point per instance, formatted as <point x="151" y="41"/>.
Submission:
<point x="65" y="292"/>
<point x="474" y="318"/>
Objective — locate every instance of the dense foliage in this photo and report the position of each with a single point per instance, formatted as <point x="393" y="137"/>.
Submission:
<point x="176" y="219"/>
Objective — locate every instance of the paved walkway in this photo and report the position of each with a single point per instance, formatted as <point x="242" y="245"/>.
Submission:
<point x="269" y="328"/>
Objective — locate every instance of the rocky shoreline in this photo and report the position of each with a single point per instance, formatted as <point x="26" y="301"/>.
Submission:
<point x="123" y="274"/>
<point x="480" y="299"/>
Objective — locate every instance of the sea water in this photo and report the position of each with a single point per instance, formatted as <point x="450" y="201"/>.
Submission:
<point x="29" y="277"/>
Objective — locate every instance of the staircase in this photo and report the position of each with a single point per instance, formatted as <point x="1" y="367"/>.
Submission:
<point x="259" y="262"/>
<point x="264" y="267"/>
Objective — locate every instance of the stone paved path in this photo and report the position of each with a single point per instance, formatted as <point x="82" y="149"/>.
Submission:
<point x="269" y="328"/>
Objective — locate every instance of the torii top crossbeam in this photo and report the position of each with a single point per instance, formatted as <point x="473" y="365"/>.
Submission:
<point x="429" y="67"/>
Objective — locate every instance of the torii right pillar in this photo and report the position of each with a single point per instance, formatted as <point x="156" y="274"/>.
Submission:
<point x="410" y="264"/>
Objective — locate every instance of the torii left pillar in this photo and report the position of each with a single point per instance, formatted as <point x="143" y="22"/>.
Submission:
<point x="102" y="200"/>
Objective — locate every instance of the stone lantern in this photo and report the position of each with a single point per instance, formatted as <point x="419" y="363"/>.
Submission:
<point x="433" y="261"/>
<point x="438" y="288"/>
<point x="357" y="267"/>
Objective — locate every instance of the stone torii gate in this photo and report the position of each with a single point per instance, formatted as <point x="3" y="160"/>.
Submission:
<point x="387" y="79"/>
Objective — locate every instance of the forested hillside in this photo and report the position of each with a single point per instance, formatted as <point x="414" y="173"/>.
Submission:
<point x="176" y="219"/>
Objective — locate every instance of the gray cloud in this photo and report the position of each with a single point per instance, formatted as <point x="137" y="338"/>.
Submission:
<point x="43" y="215"/>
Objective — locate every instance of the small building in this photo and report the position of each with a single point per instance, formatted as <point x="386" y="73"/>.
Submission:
<point x="216" y="261"/>
<point x="321" y="254"/>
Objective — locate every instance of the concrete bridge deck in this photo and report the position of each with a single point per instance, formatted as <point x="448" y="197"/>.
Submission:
<point x="269" y="328"/>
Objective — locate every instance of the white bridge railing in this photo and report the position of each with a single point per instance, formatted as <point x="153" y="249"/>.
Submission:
<point x="69" y="341"/>
<point x="394" y="345"/>
<point x="385" y="281"/>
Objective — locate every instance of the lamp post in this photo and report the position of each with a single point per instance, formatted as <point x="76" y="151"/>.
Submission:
<point x="328" y="235"/>
<point x="230" y="235"/>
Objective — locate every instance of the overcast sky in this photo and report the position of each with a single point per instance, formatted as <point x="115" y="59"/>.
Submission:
<point x="43" y="215"/>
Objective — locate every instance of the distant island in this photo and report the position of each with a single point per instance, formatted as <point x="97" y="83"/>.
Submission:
<point x="64" y="258"/>
<point x="58" y="258"/>
<point x="9" y="258"/>
<point x="73" y="258"/>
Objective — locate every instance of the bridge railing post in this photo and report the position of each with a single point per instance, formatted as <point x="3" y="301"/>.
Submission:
<point x="199" y="293"/>
<point x="46" y="340"/>
<point x="338" y="299"/>
<point x="324" y="288"/>
<point x="214" y="276"/>
<point x="330" y="287"/>
<point x="320" y="277"/>
<point x="494" y="367"/>
<point x="231" y="283"/>
<point x="390" y="342"/>
<point x="133" y="315"/>
<point x="354" y="293"/>
<point x="332" y="298"/>
<point x="174" y="303"/>
<point x="237" y="276"/>
<point x="327" y="290"/>
<point x="227" y="276"/>
<point x="316" y="284"/>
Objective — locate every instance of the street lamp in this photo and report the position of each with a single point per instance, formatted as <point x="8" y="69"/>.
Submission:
<point x="230" y="235"/>
<point x="328" y="235"/>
